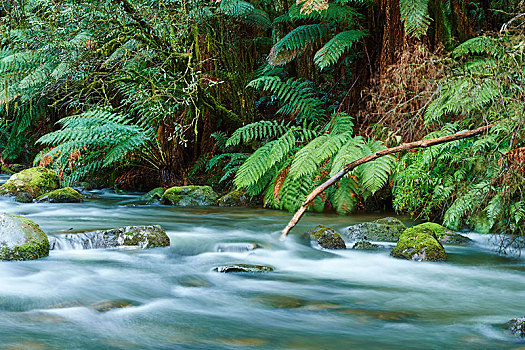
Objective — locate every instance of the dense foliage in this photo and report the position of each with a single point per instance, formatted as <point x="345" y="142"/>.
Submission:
<point x="274" y="97"/>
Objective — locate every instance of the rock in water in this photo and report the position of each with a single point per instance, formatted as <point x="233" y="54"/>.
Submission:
<point x="62" y="195"/>
<point x="189" y="196"/>
<point x="365" y="245"/>
<point x="417" y="245"/>
<point x="327" y="237"/>
<point x="385" y="230"/>
<point x="243" y="268"/>
<point x="111" y="305"/>
<point x="153" y="196"/>
<point x="21" y="239"/>
<point x="517" y="326"/>
<point x="141" y="236"/>
<point x="34" y="181"/>
<point x="235" y="198"/>
<point x="442" y="234"/>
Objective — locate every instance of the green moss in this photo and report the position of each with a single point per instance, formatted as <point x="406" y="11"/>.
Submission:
<point x="417" y="245"/>
<point x="145" y="236"/>
<point x="62" y="195"/>
<point x="327" y="237"/>
<point x="441" y="233"/>
<point x="35" y="181"/>
<point x="189" y="196"/>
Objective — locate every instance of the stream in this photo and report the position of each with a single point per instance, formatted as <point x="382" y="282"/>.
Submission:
<point x="315" y="299"/>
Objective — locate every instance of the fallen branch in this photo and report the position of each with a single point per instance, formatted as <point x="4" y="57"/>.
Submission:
<point x="348" y="167"/>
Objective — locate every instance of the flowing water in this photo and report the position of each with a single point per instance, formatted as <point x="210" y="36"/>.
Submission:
<point x="314" y="299"/>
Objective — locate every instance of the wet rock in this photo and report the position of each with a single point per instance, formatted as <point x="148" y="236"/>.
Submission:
<point x="21" y="239"/>
<point x="279" y="301"/>
<point x="23" y="197"/>
<point x="365" y="245"/>
<point x="154" y="195"/>
<point x="442" y="234"/>
<point x="235" y="198"/>
<point x="243" y="268"/>
<point x="517" y="326"/>
<point x="62" y="195"/>
<point x="140" y="236"/>
<point x="236" y="247"/>
<point x="34" y="181"/>
<point x="5" y="170"/>
<point x="194" y="196"/>
<point x="384" y="230"/>
<point x="417" y="245"/>
<point x="327" y="237"/>
<point x="111" y="305"/>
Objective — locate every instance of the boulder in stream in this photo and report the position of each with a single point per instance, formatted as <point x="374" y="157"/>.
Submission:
<point x="140" y="236"/>
<point x="417" y="245"/>
<point x="189" y="196"/>
<point x="517" y="326"/>
<point x="365" y="245"/>
<point x="154" y="195"/>
<point x="34" y="181"/>
<point x="243" y="268"/>
<point x="62" y="195"/>
<point x="235" y="198"/>
<point x="327" y="238"/>
<point x="385" y="230"/>
<point x="21" y="239"/>
<point x="442" y="234"/>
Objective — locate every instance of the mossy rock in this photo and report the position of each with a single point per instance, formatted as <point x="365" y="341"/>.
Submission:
<point x="62" y="195"/>
<point x="23" y="197"/>
<point x="21" y="239"/>
<point x="136" y="236"/>
<point x="365" y="245"/>
<point x="235" y="198"/>
<point x="153" y="196"/>
<point x="517" y="326"/>
<point x="442" y="234"/>
<point x="189" y="196"/>
<point x="384" y="230"/>
<point x="35" y="181"/>
<point x="327" y="238"/>
<point x="417" y="245"/>
<point x="6" y="170"/>
<point x="243" y="268"/>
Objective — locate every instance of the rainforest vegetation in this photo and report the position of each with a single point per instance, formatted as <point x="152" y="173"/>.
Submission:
<point x="273" y="97"/>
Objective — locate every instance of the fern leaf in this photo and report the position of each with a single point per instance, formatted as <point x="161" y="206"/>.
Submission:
<point x="336" y="47"/>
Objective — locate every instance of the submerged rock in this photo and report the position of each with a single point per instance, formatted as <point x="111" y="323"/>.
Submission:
<point x="327" y="237"/>
<point x="442" y="234"/>
<point x="23" y="197"/>
<point x="154" y="195"/>
<point x="417" y="245"/>
<point x="385" y="230"/>
<point x="62" y="195"/>
<point x="21" y="239"/>
<point x="141" y="236"/>
<point x="234" y="198"/>
<point x="189" y="196"/>
<point x="365" y="245"/>
<point x="34" y="181"/>
<point x="111" y="305"/>
<point x="517" y="326"/>
<point x="236" y="247"/>
<point x="243" y="268"/>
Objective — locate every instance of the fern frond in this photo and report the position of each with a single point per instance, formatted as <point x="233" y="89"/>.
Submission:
<point x="336" y="47"/>
<point x="293" y="43"/>
<point x="257" y="131"/>
<point x="415" y="16"/>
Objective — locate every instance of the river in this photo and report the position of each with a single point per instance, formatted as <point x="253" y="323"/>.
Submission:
<point x="314" y="299"/>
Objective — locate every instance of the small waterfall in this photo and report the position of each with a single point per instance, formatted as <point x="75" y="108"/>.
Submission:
<point x="83" y="240"/>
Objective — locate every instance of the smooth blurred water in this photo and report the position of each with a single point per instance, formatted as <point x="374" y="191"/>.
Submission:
<point x="313" y="300"/>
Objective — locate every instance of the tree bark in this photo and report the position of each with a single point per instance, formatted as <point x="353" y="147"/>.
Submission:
<point x="348" y="167"/>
